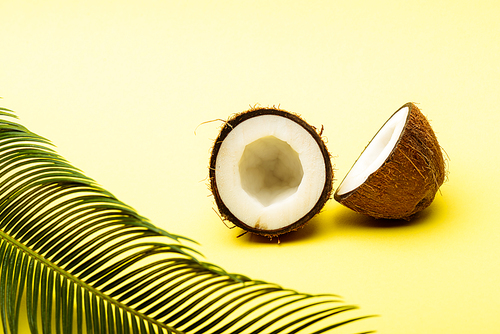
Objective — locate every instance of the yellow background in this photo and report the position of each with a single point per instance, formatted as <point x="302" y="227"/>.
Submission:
<point x="121" y="86"/>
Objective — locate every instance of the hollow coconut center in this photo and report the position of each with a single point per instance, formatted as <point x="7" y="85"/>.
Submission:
<point x="270" y="172"/>
<point x="376" y="153"/>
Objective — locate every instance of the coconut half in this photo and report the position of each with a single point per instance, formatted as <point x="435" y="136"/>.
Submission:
<point x="270" y="171"/>
<point x="399" y="172"/>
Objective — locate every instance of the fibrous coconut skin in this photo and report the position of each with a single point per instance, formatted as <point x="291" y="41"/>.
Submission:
<point x="407" y="180"/>
<point x="293" y="164"/>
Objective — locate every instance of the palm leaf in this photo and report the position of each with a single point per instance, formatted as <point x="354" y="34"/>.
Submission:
<point x="82" y="261"/>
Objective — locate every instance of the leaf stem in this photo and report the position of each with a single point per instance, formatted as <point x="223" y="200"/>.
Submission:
<point x="37" y="257"/>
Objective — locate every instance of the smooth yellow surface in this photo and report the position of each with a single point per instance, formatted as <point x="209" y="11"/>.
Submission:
<point x="121" y="87"/>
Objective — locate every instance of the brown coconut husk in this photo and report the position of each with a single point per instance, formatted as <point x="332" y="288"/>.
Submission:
<point x="408" y="180"/>
<point x="225" y="212"/>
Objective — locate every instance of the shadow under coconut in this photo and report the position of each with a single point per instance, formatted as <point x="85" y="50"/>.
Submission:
<point x="348" y="218"/>
<point x="341" y="217"/>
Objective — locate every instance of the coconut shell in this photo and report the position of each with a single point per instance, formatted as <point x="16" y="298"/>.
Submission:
<point x="408" y="180"/>
<point x="226" y="213"/>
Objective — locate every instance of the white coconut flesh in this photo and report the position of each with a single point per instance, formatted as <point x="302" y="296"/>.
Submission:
<point x="270" y="172"/>
<point x="376" y="153"/>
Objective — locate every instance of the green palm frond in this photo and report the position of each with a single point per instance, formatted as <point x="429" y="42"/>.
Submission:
<point x="73" y="258"/>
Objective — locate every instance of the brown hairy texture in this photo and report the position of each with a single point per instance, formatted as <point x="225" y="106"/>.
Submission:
<point x="228" y="126"/>
<point x="408" y="180"/>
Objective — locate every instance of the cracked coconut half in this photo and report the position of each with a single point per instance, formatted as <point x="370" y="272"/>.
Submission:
<point x="270" y="171"/>
<point x="399" y="172"/>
